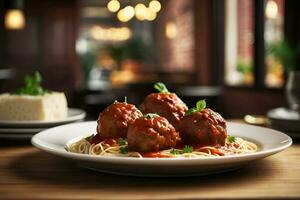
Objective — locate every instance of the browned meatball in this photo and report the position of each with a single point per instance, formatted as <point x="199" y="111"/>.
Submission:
<point x="151" y="134"/>
<point x="113" y="121"/>
<point x="204" y="128"/>
<point x="167" y="105"/>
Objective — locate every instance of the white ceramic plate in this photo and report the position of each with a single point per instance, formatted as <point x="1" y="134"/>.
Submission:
<point x="55" y="139"/>
<point x="285" y="119"/>
<point x="18" y="133"/>
<point x="284" y="114"/>
<point x="20" y="130"/>
<point x="73" y="115"/>
<point x="16" y="136"/>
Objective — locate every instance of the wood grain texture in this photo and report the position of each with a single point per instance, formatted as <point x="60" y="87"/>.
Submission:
<point x="28" y="173"/>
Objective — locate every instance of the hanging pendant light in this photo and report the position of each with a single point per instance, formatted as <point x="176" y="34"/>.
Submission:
<point x="113" y="6"/>
<point x="14" y="15"/>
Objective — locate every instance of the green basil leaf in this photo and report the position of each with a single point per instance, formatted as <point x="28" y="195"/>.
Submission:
<point x="150" y="115"/>
<point x="191" y="111"/>
<point x="32" y="86"/>
<point x="89" y="138"/>
<point x="188" y="149"/>
<point x="122" y="141"/>
<point x="124" y="150"/>
<point x="176" y="151"/>
<point x="200" y="105"/>
<point x="37" y="77"/>
<point x="231" y="138"/>
<point x="161" y="87"/>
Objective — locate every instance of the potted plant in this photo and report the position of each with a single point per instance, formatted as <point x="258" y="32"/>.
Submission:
<point x="287" y="56"/>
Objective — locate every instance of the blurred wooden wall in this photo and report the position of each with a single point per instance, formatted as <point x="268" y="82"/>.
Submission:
<point x="47" y="44"/>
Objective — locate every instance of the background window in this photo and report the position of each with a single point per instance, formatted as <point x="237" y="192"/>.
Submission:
<point x="239" y="40"/>
<point x="277" y="49"/>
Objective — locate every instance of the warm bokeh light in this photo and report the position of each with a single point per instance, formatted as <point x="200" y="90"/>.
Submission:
<point x="14" y="19"/>
<point x="271" y="9"/>
<point x="113" y="6"/>
<point x="144" y="13"/>
<point x="171" y="30"/>
<point x="95" y="12"/>
<point x="140" y="11"/>
<point x="154" y="6"/>
<point x="114" y="34"/>
<point x="151" y="15"/>
<point x="129" y="11"/>
<point x="121" y="16"/>
<point x="126" y="14"/>
<point x="81" y="46"/>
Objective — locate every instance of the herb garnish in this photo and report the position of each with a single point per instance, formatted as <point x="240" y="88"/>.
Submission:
<point x="176" y="151"/>
<point x="123" y="148"/>
<point x="231" y="138"/>
<point x="32" y="86"/>
<point x="122" y="141"/>
<point x="200" y="105"/>
<point x="161" y="87"/>
<point x="89" y="138"/>
<point x="186" y="149"/>
<point x="150" y="115"/>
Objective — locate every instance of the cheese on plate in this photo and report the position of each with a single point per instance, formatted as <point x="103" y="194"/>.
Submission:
<point x="49" y="107"/>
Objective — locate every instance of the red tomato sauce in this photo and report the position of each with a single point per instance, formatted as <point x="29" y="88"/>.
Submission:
<point x="154" y="155"/>
<point x="97" y="139"/>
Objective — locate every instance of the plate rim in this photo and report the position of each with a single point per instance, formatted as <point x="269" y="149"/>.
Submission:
<point x="126" y="160"/>
<point x="20" y="130"/>
<point x="16" y="136"/>
<point x="80" y="116"/>
<point x="269" y="115"/>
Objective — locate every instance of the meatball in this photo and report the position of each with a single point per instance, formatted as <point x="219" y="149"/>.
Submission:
<point x="167" y="105"/>
<point x="204" y="128"/>
<point x="113" y="121"/>
<point x="151" y="134"/>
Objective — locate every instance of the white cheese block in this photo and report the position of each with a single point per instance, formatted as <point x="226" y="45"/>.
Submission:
<point x="49" y="107"/>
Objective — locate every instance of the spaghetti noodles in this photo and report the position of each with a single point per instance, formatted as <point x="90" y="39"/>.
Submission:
<point x="238" y="146"/>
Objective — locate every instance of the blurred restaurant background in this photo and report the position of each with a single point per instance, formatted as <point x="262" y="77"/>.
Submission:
<point x="236" y="54"/>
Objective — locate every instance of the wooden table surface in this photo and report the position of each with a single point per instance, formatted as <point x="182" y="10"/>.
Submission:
<point x="28" y="173"/>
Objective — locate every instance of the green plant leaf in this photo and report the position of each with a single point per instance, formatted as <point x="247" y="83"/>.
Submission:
<point x="200" y="105"/>
<point x="283" y="52"/>
<point x="37" y="78"/>
<point x="161" y="87"/>
<point x="176" y="151"/>
<point x="121" y="141"/>
<point x="124" y="150"/>
<point x="188" y="149"/>
<point x="150" y="115"/>
<point x="32" y="86"/>
<point x="231" y="138"/>
<point x="191" y="111"/>
<point x="89" y="138"/>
